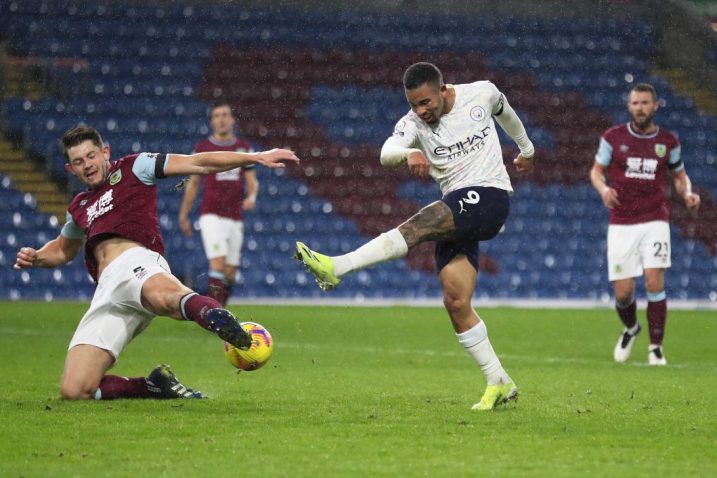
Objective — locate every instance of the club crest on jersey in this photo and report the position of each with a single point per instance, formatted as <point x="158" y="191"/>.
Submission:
<point x="477" y="113"/>
<point x="660" y="150"/>
<point x="116" y="177"/>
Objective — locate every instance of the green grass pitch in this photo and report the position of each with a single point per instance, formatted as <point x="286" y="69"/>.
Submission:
<point x="368" y="392"/>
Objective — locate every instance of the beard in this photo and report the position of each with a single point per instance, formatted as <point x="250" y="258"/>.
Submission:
<point x="642" y="122"/>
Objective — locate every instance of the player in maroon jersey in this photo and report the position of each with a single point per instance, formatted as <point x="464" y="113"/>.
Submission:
<point x="223" y="203"/>
<point x="117" y="219"/>
<point x="637" y="157"/>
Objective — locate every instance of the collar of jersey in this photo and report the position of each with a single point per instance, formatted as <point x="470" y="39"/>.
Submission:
<point x="216" y="142"/>
<point x="642" y="136"/>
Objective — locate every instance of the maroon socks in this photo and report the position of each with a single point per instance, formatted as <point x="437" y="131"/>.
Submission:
<point x="656" y="318"/>
<point x="628" y="315"/>
<point x="220" y="288"/>
<point x="194" y="307"/>
<point x="656" y="315"/>
<point x="217" y="290"/>
<point x="113" y="386"/>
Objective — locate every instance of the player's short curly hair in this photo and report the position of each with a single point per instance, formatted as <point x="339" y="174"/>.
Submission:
<point x="78" y="135"/>
<point x="645" y="88"/>
<point x="421" y="73"/>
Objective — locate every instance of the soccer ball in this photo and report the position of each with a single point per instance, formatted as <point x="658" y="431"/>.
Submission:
<point x="259" y="353"/>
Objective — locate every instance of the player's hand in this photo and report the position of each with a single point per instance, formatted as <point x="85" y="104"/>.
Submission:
<point x="418" y="164"/>
<point x="276" y="158"/>
<point x="185" y="225"/>
<point x="26" y="258"/>
<point x="249" y="204"/>
<point x="609" y="198"/>
<point x="692" y="201"/>
<point x="523" y="164"/>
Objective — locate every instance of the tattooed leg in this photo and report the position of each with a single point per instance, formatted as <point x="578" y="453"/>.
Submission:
<point x="432" y="223"/>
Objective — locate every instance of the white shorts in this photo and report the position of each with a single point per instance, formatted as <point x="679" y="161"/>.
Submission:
<point x="631" y="248"/>
<point x="222" y="237"/>
<point x="116" y="314"/>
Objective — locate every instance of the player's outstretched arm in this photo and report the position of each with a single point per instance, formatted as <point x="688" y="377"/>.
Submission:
<point x="683" y="185"/>
<point x="190" y="194"/>
<point x="57" y="252"/>
<point x="215" y="162"/>
<point x="608" y="194"/>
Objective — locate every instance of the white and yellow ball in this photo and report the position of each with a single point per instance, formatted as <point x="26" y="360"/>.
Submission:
<point x="262" y="346"/>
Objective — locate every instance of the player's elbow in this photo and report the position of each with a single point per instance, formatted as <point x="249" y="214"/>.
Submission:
<point x="389" y="159"/>
<point x="385" y="161"/>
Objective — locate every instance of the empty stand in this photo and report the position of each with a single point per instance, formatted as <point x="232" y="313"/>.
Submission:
<point x="145" y="74"/>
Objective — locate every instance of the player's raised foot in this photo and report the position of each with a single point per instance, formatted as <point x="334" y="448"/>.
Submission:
<point x="623" y="348"/>
<point x="228" y="328"/>
<point x="164" y="384"/>
<point x="496" y="395"/>
<point x="318" y="264"/>
<point x="655" y="355"/>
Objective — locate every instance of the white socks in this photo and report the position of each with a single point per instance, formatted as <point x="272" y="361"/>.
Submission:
<point x="476" y="343"/>
<point x="386" y="247"/>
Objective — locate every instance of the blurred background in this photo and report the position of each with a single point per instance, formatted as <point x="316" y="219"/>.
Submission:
<point x="324" y="78"/>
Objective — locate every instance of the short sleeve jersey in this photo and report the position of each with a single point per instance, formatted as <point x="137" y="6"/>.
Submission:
<point x="636" y="168"/>
<point x="224" y="192"/>
<point x="463" y="149"/>
<point x="125" y="205"/>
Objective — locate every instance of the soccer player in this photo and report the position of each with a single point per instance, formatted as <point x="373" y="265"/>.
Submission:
<point x="636" y="157"/>
<point x="223" y="203"/>
<point x="116" y="218"/>
<point x="450" y="135"/>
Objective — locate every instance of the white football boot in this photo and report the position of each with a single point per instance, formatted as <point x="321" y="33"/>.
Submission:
<point x="624" y="345"/>
<point x="655" y="355"/>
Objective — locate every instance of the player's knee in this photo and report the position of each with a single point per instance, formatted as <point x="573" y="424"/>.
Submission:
<point x="455" y="303"/>
<point x="165" y="302"/>
<point x="654" y="285"/>
<point x="624" y="299"/>
<point x="624" y="295"/>
<point x="74" y="390"/>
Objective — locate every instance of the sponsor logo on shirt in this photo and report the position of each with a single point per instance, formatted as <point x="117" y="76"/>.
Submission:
<point x="231" y="175"/>
<point x="472" y="143"/>
<point x="641" y="168"/>
<point x="100" y="207"/>
<point x="140" y="272"/>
